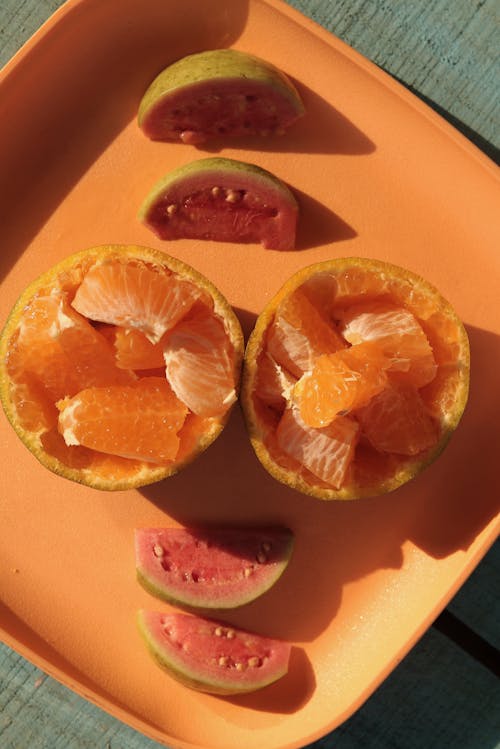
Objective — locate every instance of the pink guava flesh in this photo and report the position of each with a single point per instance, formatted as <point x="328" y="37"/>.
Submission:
<point x="212" y="656"/>
<point x="216" y="568"/>
<point x="225" y="207"/>
<point x="222" y="107"/>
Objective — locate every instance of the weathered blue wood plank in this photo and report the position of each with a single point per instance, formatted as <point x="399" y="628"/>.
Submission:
<point x="417" y="706"/>
<point x="445" y="52"/>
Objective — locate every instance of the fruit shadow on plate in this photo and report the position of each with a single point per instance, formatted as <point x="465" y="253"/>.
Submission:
<point x="442" y="510"/>
<point x="227" y="485"/>
<point x="66" y="107"/>
<point x="317" y="224"/>
<point x="287" y="695"/>
<point x="461" y="494"/>
<point x="323" y="129"/>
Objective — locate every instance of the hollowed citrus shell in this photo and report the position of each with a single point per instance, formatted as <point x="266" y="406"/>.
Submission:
<point x="65" y="389"/>
<point x="360" y="449"/>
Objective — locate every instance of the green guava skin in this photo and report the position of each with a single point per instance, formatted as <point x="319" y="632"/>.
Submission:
<point x="218" y="65"/>
<point x="203" y="174"/>
<point x="222" y="169"/>
<point x="195" y="677"/>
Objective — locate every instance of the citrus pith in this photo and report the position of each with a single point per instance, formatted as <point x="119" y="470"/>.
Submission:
<point x="77" y="353"/>
<point x="368" y="414"/>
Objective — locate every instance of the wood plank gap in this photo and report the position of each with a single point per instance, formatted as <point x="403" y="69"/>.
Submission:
<point x="472" y="643"/>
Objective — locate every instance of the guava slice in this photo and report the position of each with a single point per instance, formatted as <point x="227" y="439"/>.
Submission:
<point x="223" y="200"/>
<point x="221" y="92"/>
<point x="211" y="568"/>
<point x="211" y="656"/>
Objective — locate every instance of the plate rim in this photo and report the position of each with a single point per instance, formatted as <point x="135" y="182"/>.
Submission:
<point x="485" y="538"/>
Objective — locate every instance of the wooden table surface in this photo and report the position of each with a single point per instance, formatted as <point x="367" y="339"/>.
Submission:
<point x="446" y="692"/>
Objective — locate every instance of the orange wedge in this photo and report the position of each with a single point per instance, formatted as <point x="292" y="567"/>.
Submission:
<point x="84" y="378"/>
<point x="354" y="391"/>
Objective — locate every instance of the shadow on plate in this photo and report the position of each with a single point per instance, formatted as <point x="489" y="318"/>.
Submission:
<point x="323" y="129"/>
<point x="288" y="694"/>
<point x="66" y="106"/>
<point x="247" y="320"/>
<point x="317" y="224"/>
<point x="460" y="493"/>
<point x="441" y="511"/>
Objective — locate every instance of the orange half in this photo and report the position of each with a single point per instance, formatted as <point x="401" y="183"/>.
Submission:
<point x="366" y="415"/>
<point x="76" y="376"/>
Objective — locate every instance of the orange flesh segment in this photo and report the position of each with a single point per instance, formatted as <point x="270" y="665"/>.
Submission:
<point x="340" y="382"/>
<point x="357" y="284"/>
<point x="34" y="407"/>
<point x="299" y="333"/>
<point x="134" y="296"/>
<point x="273" y="382"/>
<point x="399" y="334"/>
<point x="397" y="421"/>
<point x="134" y="351"/>
<point x="327" y="453"/>
<point x="61" y="351"/>
<point x="139" y="421"/>
<point x="199" y="362"/>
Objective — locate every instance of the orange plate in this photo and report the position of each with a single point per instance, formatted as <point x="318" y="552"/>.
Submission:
<point x="377" y="174"/>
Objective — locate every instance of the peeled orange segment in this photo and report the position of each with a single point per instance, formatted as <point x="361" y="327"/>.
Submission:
<point x="35" y="409"/>
<point x="274" y="383"/>
<point x="134" y="351"/>
<point x="299" y="333"/>
<point x="212" y="656"/>
<point x="140" y="421"/>
<point x="58" y="349"/>
<point x="221" y="93"/>
<point x="134" y="296"/>
<point x="392" y="371"/>
<point x="223" y="200"/>
<point x="400" y="336"/>
<point x="117" y="423"/>
<point x="327" y="453"/>
<point x="340" y="383"/>
<point x="397" y="421"/>
<point x="200" y="364"/>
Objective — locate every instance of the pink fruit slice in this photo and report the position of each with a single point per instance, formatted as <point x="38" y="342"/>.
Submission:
<point x="211" y="568"/>
<point x="222" y="93"/>
<point x="223" y="200"/>
<point x="211" y="656"/>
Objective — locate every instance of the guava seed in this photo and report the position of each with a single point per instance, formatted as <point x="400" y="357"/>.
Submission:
<point x="158" y="550"/>
<point x="232" y="196"/>
<point x="254" y="661"/>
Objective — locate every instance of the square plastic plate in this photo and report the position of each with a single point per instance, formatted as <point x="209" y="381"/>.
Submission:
<point x="377" y="174"/>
